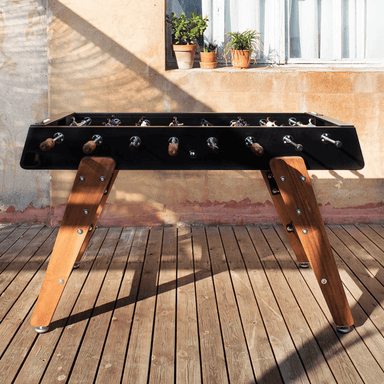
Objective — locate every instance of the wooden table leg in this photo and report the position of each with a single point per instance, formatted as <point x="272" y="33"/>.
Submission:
<point x="293" y="182"/>
<point x="286" y="220"/>
<point x="96" y="218"/>
<point x="95" y="176"/>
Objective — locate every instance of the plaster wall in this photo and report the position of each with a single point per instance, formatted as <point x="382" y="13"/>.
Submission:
<point x="110" y="57"/>
<point x="23" y="100"/>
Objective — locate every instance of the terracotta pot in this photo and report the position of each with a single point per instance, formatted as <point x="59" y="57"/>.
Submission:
<point x="240" y="59"/>
<point x="208" y="60"/>
<point x="185" y="54"/>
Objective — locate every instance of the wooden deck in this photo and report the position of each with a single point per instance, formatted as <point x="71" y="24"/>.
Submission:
<point x="191" y="305"/>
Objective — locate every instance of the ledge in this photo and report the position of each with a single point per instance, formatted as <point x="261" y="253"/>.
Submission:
<point x="287" y="68"/>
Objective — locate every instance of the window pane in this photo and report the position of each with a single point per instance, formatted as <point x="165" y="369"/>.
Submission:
<point x="303" y="29"/>
<point x="374" y="47"/>
<point x="336" y="29"/>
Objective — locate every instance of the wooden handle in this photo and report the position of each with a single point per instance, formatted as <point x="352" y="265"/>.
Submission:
<point x="47" y="144"/>
<point x="257" y="149"/>
<point x="89" y="147"/>
<point x="173" y="149"/>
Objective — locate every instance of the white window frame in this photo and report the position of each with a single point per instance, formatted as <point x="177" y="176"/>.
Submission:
<point x="277" y="44"/>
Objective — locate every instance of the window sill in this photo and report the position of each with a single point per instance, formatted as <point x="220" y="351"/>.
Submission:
<point x="294" y="67"/>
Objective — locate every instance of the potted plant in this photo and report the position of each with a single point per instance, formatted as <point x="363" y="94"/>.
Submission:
<point x="185" y="32"/>
<point x="208" y="56"/>
<point x="243" y="45"/>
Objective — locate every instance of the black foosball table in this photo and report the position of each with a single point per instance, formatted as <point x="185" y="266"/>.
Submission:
<point x="282" y="146"/>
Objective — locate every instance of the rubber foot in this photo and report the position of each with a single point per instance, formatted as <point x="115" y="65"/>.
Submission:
<point x="343" y="328"/>
<point x="41" y="329"/>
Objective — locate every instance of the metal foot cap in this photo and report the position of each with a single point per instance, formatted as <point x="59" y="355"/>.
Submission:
<point x="304" y="265"/>
<point x="41" y="329"/>
<point x="77" y="265"/>
<point x="343" y="328"/>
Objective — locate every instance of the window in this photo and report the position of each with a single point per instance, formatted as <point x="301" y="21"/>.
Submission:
<point x="298" y="31"/>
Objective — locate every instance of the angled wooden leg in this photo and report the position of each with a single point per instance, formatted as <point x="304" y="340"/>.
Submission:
<point x="285" y="218"/>
<point x="96" y="217"/>
<point x="296" y="191"/>
<point x="83" y="207"/>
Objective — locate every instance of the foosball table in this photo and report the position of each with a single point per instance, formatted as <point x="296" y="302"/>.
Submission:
<point x="282" y="146"/>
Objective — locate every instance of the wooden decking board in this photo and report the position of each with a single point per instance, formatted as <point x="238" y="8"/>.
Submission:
<point x="163" y="345"/>
<point x="258" y="344"/>
<point x="22" y="258"/>
<point x="301" y="333"/>
<point x="138" y="358"/>
<point x="43" y="349"/>
<point x="333" y="350"/>
<point x="187" y="353"/>
<point x="24" y="238"/>
<point x="374" y="238"/>
<point x="72" y="336"/>
<point x="11" y="239"/>
<point x="5" y="232"/>
<point x="359" y="354"/>
<point x="192" y="305"/>
<point x="288" y="359"/>
<point x="23" y="279"/>
<point x="87" y="359"/>
<point x="236" y="351"/>
<point x="359" y="245"/>
<point x="213" y="362"/>
<point x="113" y="358"/>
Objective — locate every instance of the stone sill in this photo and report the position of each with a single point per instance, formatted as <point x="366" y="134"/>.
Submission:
<point x="289" y="68"/>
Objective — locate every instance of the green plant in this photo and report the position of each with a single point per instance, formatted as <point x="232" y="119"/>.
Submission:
<point x="210" y="47"/>
<point x="247" y="40"/>
<point x="186" y="30"/>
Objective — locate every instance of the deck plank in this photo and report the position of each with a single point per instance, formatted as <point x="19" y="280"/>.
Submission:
<point x="301" y="333"/>
<point x="192" y="305"/>
<point x="236" y="351"/>
<point x="261" y="354"/>
<point x="5" y="232"/>
<point x="358" y="352"/>
<point x="337" y="358"/>
<point x="24" y="237"/>
<point x="11" y="238"/>
<point x="113" y="358"/>
<point x="187" y="354"/>
<point x="213" y="363"/>
<point x="164" y="333"/>
<point x="288" y="359"/>
<point x="87" y="360"/>
<point x="43" y="349"/>
<point x="15" y="289"/>
<point x="18" y="263"/>
<point x="139" y="349"/>
<point x="66" y="350"/>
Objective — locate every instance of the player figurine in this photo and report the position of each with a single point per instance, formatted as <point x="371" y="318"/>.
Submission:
<point x="175" y="122"/>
